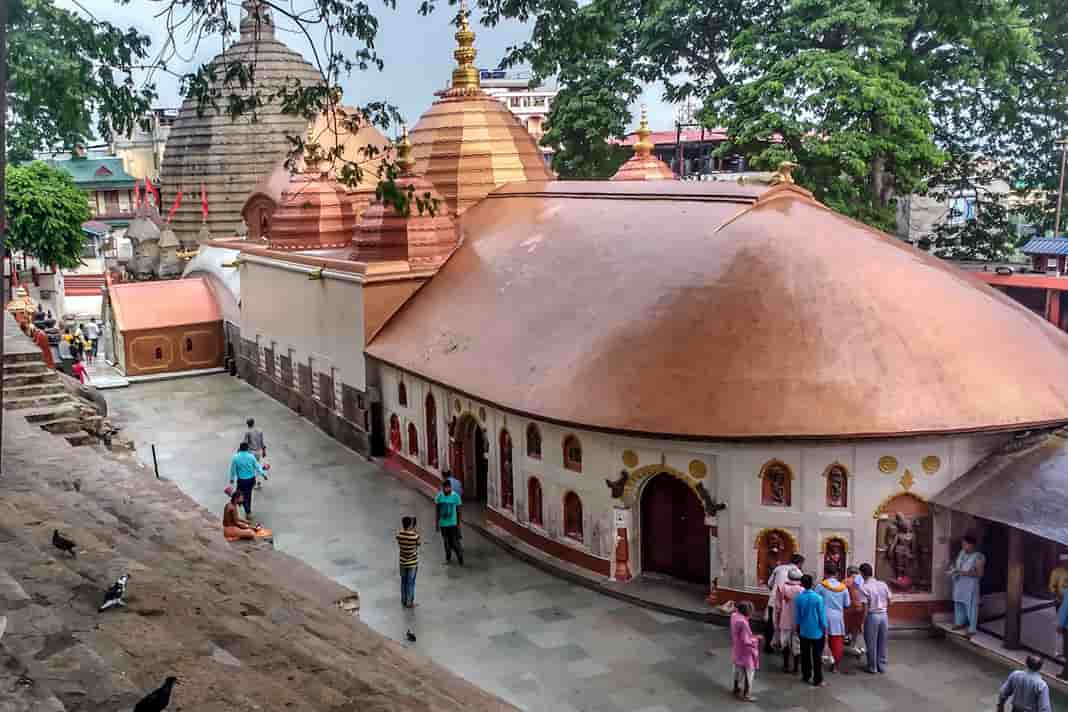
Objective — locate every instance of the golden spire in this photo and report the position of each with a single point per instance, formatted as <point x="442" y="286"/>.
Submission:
<point x="405" y="162"/>
<point x="644" y="147"/>
<point x="785" y="174"/>
<point x="465" y="76"/>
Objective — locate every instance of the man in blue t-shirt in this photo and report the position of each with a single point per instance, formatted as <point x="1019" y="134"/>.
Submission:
<point x="448" y="505"/>
<point x="243" y="471"/>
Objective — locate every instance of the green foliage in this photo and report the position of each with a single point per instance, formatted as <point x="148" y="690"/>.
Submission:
<point x="870" y="97"/>
<point x="45" y="212"/>
<point x="594" y="95"/>
<point x="65" y="72"/>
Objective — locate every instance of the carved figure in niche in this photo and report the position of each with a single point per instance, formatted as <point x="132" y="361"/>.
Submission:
<point x="901" y="552"/>
<point x="834" y="556"/>
<point x="619" y="485"/>
<point x="904" y="540"/>
<point x="774" y="547"/>
<point x="775" y="488"/>
<point x="837" y="487"/>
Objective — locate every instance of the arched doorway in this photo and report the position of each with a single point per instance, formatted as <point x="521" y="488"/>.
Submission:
<point x="472" y="459"/>
<point x="674" y="535"/>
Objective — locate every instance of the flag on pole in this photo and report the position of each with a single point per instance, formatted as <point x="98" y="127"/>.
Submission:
<point x="174" y="208"/>
<point x="151" y="188"/>
<point x="203" y="202"/>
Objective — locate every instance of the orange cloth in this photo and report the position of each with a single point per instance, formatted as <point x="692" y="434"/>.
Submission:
<point x="41" y="339"/>
<point x="237" y="533"/>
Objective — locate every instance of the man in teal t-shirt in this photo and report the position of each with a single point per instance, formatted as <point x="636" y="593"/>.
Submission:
<point x="448" y="504"/>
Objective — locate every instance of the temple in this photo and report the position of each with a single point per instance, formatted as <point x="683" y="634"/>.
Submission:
<point x="638" y="375"/>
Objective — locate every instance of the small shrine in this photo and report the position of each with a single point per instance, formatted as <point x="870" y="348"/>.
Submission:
<point x="643" y="165"/>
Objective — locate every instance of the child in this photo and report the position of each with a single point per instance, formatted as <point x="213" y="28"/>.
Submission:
<point x="745" y="652"/>
<point x="78" y="369"/>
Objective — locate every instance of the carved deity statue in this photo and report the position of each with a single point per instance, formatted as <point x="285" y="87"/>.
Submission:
<point x="776" y="484"/>
<point x="834" y="557"/>
<point x="902" y="551"/>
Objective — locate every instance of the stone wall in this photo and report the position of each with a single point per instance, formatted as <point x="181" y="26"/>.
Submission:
<point x="340" y="413"/>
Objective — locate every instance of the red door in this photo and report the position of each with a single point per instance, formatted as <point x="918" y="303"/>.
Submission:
<point x="674" y="536"/>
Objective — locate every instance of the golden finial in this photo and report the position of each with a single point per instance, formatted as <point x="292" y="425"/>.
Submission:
<point x="465" y="76"/>
<point x="404" y="153"/>
<point x="785" y="174"/>
<point x="644" y="147"/>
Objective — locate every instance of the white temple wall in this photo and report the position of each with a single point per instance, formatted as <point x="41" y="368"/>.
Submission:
<point x="320" y="320"/>
<point x="920" y="467"/>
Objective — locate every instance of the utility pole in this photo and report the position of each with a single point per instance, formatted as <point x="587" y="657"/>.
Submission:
<point x="1063" y="143"/>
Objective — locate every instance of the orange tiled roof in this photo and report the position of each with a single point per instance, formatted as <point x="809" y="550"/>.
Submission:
<point x="140" y="306"/>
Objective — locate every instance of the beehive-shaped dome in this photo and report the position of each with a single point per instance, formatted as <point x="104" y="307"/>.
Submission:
<point x="424" y="240"/>
<point x="316" y="212"/>
<point x="643" y="165"/>
<point x="468" y="143"/>
<point x="228" y="157"/>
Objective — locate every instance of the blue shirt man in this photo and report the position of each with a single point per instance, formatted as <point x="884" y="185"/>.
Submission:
<point x="244" y="465"/>
<point x="243" y="471"/>
<point x="448" y="504"/>
<point x="811" y="616"/>
<point x="1029" y="692"/>
<point x="457" y="487"/>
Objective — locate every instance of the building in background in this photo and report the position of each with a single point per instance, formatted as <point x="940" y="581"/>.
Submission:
<point x="531" y="106"/>
<point x="142" y="151"/>
<point x="689" y="151"/>
<point x="110" y="187"/>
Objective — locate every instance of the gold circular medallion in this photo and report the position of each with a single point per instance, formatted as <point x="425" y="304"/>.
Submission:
<point x="931" y="464"/>
<point x="888" y="464"/>
<point x="698" y="469"/>
<point x="630" y="458"/>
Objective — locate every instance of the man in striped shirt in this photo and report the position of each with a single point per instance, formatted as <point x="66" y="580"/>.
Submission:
<point x="408" y="544"/>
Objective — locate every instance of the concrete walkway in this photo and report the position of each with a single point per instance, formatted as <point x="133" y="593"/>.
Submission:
<point x="535" y="640"/>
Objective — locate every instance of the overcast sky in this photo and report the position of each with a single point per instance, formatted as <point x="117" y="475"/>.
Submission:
<point x="417" y="52"/>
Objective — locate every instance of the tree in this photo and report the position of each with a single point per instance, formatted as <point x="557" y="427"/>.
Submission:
<point x="65" y="72"/>
<point x="869" y="96"/>
<point x="45" y="212"/>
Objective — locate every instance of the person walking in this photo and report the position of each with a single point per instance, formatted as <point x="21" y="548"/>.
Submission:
<point x="408" y="542"/>
<point x="876" y="598"/>
<point x="1029" y="692"/>
<point x="79" y="372"/>
<point x="786" y="638"/>
<point x="41" y="339"/>
<point x="745" y="651"/>
<point x="778" y="575"/>
<point x="243" y="472"/>
<point x="836" y="601"/>
<point x="812" y="627"/>
<point x="854" y="615"/>
<point x="448" y="521"/>
<point x="254" y="439"/>
<point x="457" y="486"/>
<point x="1062" y="629"/>
<point x="92" y="334"/>
<point x="966" y="573"/>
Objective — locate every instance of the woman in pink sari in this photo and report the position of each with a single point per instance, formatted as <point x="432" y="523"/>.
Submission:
<point x="745" y="651"/>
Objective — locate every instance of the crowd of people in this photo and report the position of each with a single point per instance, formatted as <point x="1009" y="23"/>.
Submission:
<point x="806" y="616"/>
<point x="76" y="345"/>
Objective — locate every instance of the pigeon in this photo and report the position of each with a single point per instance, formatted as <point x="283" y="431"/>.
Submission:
<point x="116" y="594"/>
<point x="158" y="700"/>
<point x="63" y="543"/>
<point x="410" y="636"/>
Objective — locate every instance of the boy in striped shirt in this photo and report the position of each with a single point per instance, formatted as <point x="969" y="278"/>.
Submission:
<point x="408" y="544"/>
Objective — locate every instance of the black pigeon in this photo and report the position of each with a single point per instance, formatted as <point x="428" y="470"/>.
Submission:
<point x="157" y="701"/>
<point x="63" y="543"/>
<point x="116" y="595"/>
<point x="410" y="636"/>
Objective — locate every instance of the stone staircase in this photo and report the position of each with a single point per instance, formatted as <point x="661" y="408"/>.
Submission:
<point x="38" y="393"/>
<point x="242" y="626"/>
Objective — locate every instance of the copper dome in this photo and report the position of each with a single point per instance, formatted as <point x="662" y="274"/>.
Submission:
<point x="422" y="239"/>
<point x="718" y="310"/>
<point x="468" y="143"/>
<point x="316" y="212"/>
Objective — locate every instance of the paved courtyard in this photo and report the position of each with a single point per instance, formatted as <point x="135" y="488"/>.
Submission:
<point x="537" y="641"/>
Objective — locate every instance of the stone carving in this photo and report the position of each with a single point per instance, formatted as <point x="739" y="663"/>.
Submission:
<point x="619" y="485"/>
<point x="834" y="556"/>
<point x="904" y="539"/>
<point x="837" y="486"/>
<point x="774" y="546"/>
<point x="901" y="551"/>
<point x="712" y="507"/>
<point x="776" y="485"/>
